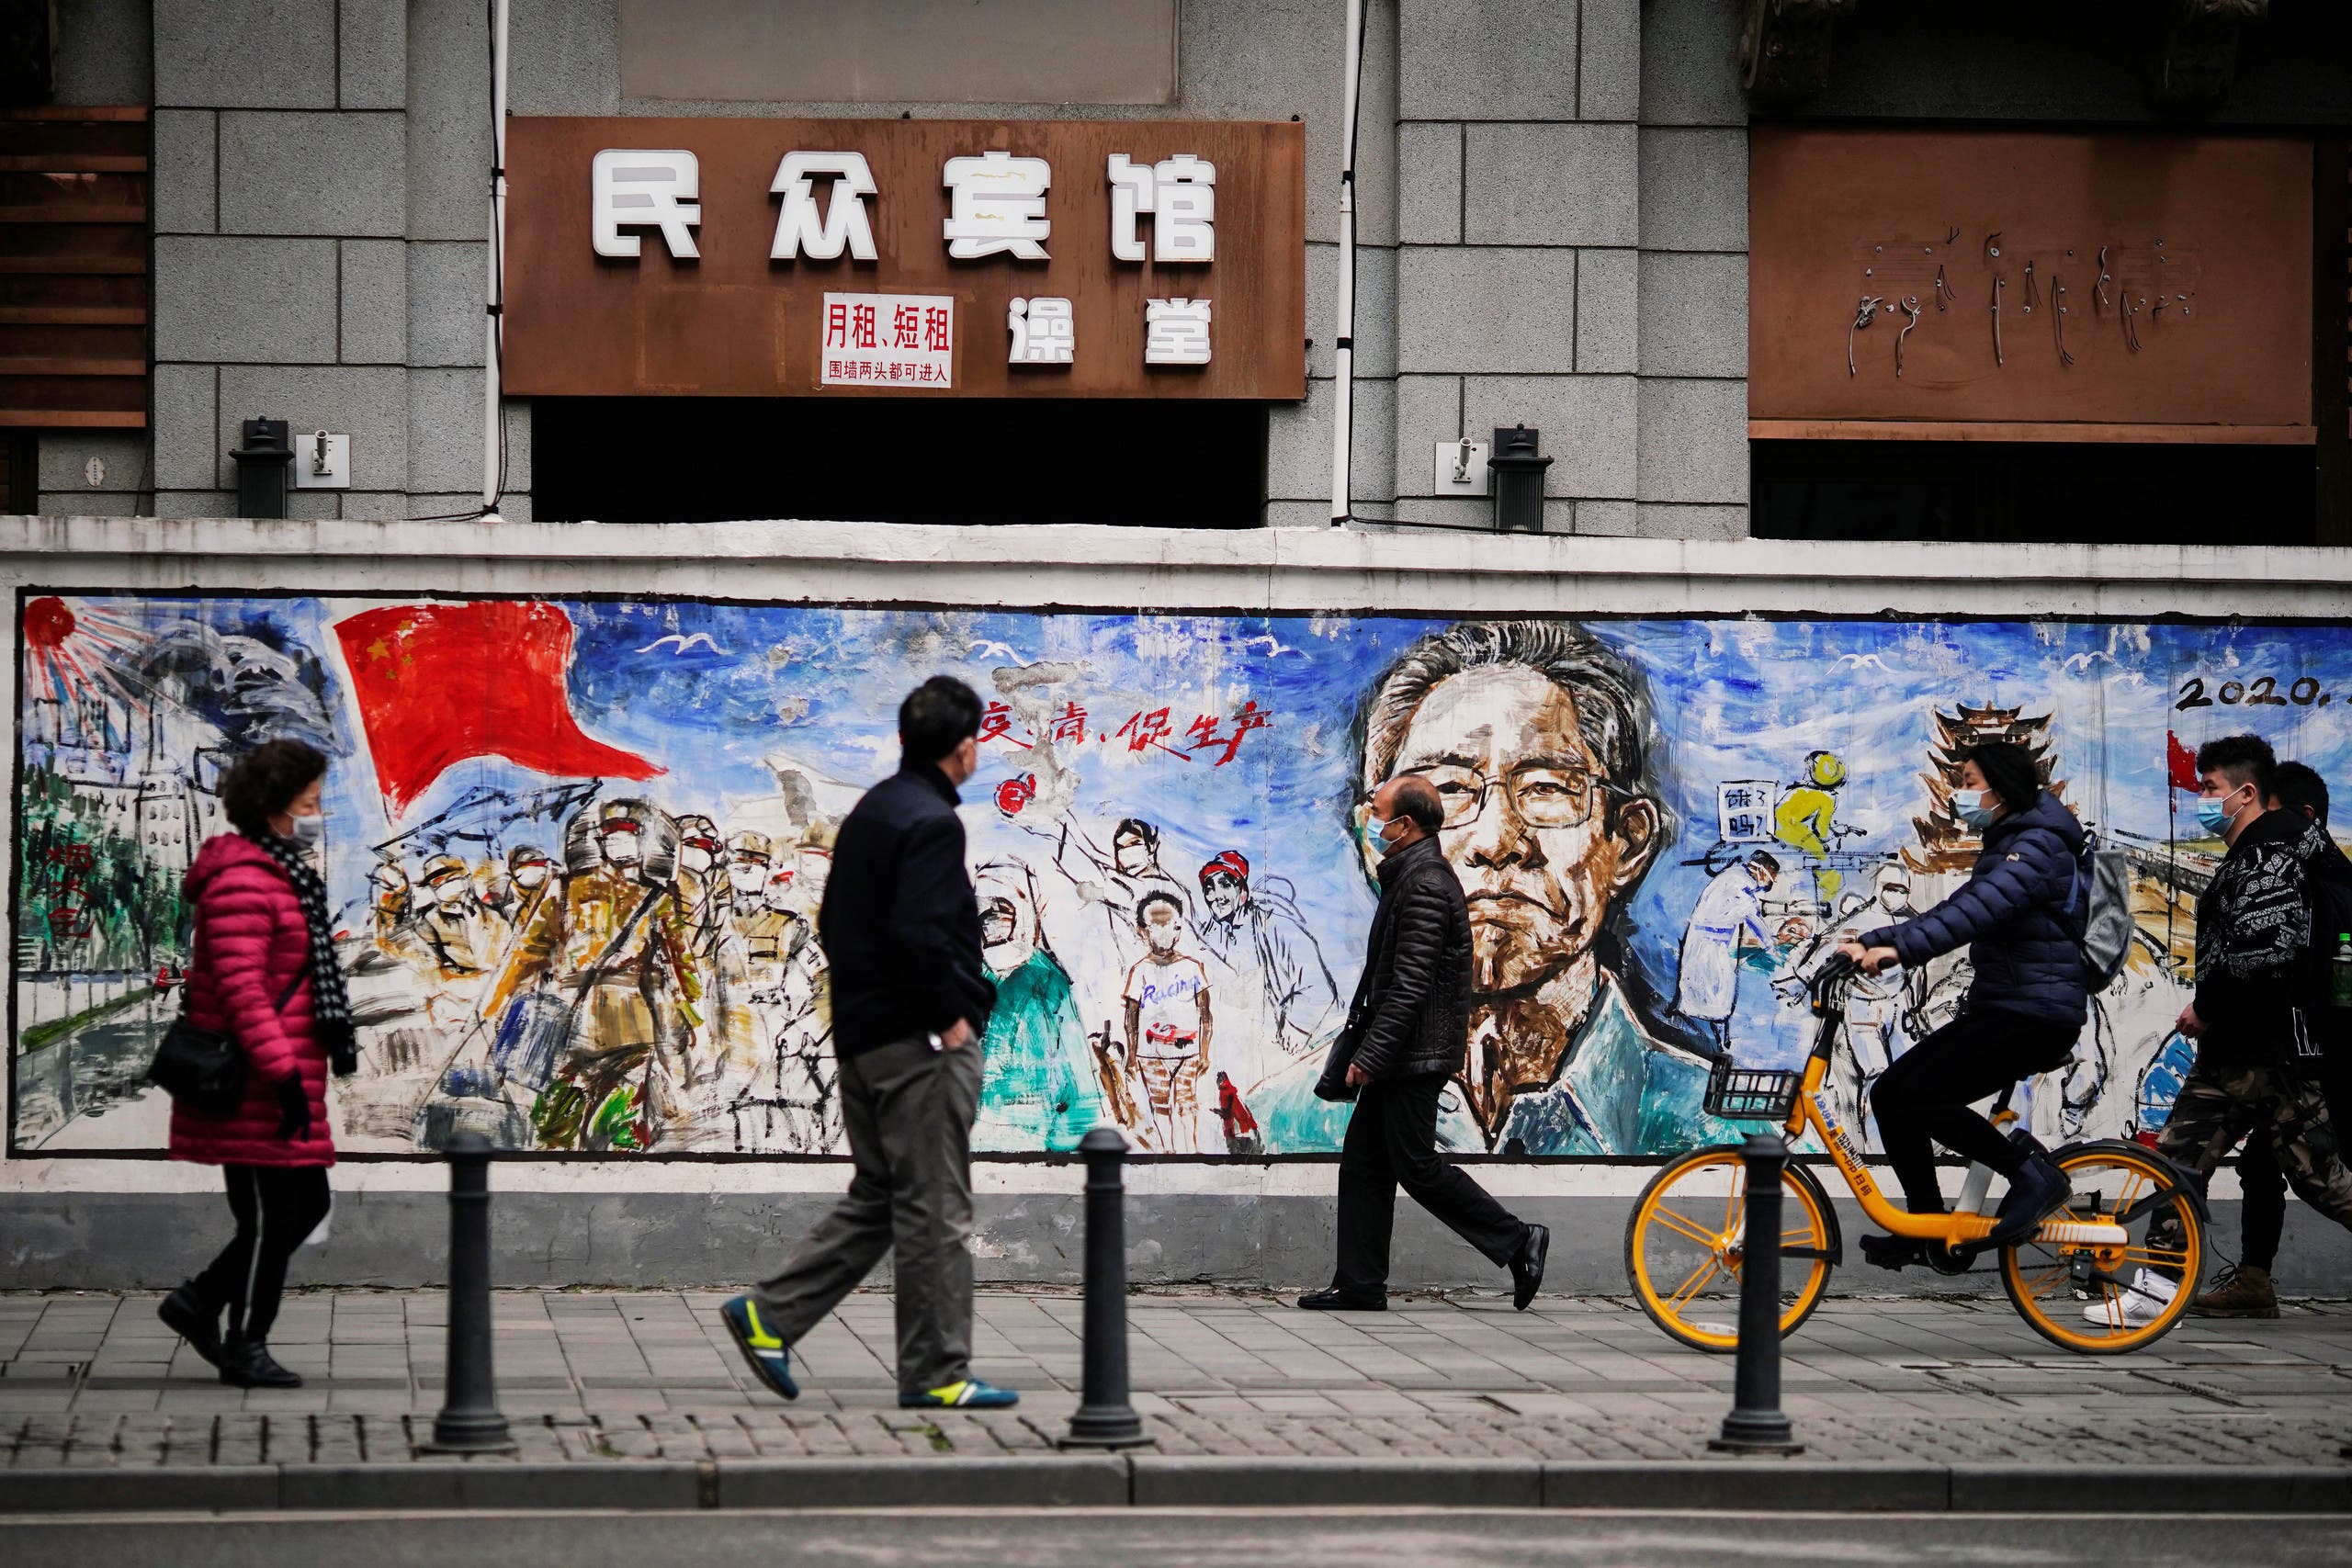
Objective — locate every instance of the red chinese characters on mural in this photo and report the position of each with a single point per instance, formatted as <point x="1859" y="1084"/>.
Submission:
<point x="1153" y="730"/>
<point x="1204" y="737"/>
<point x="68" y="913"/>
<point x="997" y="724"/>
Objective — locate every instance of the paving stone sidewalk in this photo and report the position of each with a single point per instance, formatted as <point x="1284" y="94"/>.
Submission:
<point x="94" y="1381"/>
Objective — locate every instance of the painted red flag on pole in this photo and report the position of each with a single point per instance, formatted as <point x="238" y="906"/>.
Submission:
<point x="2181" y="763"/>
<point x="438" y="683"/>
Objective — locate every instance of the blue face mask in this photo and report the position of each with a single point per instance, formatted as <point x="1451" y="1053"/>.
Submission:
<point x="1967" y="804"/>
<point x="2213" y="814"/>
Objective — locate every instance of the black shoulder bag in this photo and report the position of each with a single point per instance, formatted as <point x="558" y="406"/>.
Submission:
<point x="205" y="1070"/>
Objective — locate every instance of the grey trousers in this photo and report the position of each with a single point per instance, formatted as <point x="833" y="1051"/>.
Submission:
<point x="907" y="1110"/>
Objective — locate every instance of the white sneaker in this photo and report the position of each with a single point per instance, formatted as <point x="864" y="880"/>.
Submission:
<point x="2145" y="1300"/>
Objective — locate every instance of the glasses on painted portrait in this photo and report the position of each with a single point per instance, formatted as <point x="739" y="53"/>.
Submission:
<point x="1541" y="796"/>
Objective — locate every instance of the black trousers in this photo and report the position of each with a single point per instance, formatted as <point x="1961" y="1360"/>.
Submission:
<point x="276" y="1208"/>
<point x="1925" y="1094"/>
<point x="1392" y="1143"/>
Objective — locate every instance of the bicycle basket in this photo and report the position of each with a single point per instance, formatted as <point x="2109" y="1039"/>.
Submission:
<point x="1752" y="1094"/>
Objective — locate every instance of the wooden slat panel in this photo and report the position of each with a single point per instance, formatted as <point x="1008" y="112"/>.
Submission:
<point x="72" y="419"/>
<point x="73" y="247"/>
<point x="93" y="114"/>
<point x="50" y="341"/>
<point x="74" y="212"/>
<point x="73" y="140"/>
<point x="72" y="187"/>
<point x="59" y="365"/>
<point x="73" y="163"/>
<point x="82" y="291"/>
<point x="124" y="394"/>
<point x="76" y="240"/>
<point x="67" y="264"/>
<point x="72" y="315"/>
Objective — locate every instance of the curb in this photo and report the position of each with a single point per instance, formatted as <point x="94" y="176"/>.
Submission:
<point x="1147" y="1479"/>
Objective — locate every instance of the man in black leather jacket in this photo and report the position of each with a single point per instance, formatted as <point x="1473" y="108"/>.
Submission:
<point x="1406" y="1037"/>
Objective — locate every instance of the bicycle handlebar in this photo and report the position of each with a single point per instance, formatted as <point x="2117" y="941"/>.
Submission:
<point x="1834" y="970"/>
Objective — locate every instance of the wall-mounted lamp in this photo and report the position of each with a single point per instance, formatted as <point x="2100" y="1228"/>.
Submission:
<point x="262" y="464"/>
<point x="1518" y="484"/>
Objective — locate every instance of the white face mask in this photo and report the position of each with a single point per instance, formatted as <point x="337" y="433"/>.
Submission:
<point x="694" y="860"/>
<point x="310" y="832"/>
<point x="530" y="876"/>
<point x="621" y="849"/>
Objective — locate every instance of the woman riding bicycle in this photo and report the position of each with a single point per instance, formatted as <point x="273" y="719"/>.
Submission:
<point x="2025" y="1005"/>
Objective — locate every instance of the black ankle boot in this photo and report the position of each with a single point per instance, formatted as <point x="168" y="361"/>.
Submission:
<point x="247" y="1363"/>
<point x="186" y="1313"/>
<point x="2036" y="1191"/>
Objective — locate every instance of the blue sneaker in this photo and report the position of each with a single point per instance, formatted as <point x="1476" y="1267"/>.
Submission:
<point x="969" y="1395"/>
<point x="769" y="1356"/>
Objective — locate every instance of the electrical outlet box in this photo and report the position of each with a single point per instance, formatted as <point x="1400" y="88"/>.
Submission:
<point x="322" y="461"/>
<point x="1466" y="458"/>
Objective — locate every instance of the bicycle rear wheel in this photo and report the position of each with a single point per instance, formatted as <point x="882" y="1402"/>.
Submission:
<point x="2105" y="1301"/>
<point x="1686" y="1244"/>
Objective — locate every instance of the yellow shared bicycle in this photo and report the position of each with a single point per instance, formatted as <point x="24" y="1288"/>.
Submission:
<point x="2110" y="1273"/>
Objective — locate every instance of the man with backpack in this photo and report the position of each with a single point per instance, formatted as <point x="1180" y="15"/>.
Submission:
<point x="2322" y="1041"/>
<point x="2253" y="942"/>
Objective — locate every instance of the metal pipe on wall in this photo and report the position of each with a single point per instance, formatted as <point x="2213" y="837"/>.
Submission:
<point x="493" y="444"/>
<point x="1343" y="337"/>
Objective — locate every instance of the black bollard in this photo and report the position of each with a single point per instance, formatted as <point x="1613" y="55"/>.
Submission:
<point x="1105" y="1418"/>
<point x="1756" y="1424"/>
<point x="469" y="1422"/>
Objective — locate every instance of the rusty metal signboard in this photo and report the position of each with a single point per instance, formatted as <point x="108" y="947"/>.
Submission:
<point x="2028" y="284"/>
<point x="907" y="258"/>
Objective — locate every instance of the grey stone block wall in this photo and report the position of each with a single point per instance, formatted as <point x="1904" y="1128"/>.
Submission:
<point x="1560" y="201"/>
<point x="1692" y="464"/>
<point x="1551" y="229"/>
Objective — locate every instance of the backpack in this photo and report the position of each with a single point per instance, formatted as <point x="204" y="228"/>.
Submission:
<point x="2100" y="895"/>
<point x="2323" y="1024"/>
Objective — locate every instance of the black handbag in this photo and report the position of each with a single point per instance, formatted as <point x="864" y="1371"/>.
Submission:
<point x="205" y="1070"/>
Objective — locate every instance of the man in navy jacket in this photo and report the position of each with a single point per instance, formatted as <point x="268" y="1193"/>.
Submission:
<point x="910" y="997"/>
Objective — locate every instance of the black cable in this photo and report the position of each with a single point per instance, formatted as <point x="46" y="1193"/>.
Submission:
<point x="495" y="346"/>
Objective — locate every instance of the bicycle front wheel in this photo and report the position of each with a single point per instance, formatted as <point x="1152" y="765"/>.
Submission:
<point x="2106" y="1300"/>
<point x="1686" y="1245"/>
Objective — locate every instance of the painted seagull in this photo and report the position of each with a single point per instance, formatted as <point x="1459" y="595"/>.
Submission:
<point x="681" y="644"/>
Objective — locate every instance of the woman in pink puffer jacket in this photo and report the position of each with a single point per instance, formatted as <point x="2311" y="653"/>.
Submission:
<point x="263" y="975"/>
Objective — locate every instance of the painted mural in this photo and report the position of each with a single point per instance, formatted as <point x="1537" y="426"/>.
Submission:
<point x="578" y="848"/>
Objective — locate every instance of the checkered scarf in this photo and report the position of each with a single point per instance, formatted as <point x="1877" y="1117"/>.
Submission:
<point x="330" y="1003"/>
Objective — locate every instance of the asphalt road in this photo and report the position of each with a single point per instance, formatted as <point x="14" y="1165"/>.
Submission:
<point x="1295" y="1538"/>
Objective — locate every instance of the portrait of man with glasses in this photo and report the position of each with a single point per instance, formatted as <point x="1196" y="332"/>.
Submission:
<point x="1539" y="740"/>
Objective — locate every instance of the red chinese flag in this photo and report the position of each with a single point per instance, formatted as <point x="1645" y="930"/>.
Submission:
<point x="2181" y="763"/>
<point x="438" y="683"/>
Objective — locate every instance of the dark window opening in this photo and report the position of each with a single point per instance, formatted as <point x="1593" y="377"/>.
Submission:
<point x="2033" y="492"/>
<point x="1138" y="463"/>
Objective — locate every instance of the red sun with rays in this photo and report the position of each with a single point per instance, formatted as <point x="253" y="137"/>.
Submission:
<point x="68" y="654"/>
<point x="48" y="623"/>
